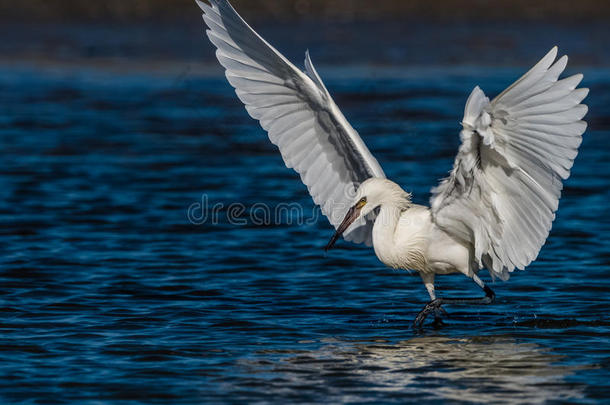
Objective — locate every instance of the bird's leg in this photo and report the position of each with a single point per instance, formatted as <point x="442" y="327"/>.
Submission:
<point x="428" y="279"/>
<point x="436" y="304"/>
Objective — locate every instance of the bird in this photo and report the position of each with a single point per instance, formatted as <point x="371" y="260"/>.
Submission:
<point x="493" y="211"/>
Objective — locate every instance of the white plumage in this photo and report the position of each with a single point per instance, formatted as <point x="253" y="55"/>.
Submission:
<point x="494" y="211"/>
<point x="505" y="186"/>
<point x="299" y="114"/>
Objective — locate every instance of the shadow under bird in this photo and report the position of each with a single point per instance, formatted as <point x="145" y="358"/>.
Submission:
<point x="493" y="211"/>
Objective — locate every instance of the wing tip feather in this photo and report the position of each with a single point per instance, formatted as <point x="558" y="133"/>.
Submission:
<point x="576" y="78"/>
<point x="584" y="92"/>
<point x="206" y="8"/>
<point x="585" y="110"/>
<point x="550" y="57"/>
<point x="563" y="62"/>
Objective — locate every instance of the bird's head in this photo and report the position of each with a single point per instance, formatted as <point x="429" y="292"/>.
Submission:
<point x="371" y="194"/>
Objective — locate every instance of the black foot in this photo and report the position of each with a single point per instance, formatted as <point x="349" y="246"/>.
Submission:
<point x="438" y="322"/>
<point x="490" y="296"/>
<point x="432" y="307"/>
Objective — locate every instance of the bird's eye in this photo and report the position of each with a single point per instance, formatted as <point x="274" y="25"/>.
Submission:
<point x="362" y="202"/>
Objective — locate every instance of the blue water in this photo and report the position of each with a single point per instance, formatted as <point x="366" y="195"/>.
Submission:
<point x="110" y="293"/>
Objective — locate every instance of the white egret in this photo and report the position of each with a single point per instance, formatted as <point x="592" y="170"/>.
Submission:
<point x="493" y="211"/>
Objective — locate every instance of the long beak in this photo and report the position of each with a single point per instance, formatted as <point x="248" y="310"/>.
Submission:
<point x="350" y="217"/>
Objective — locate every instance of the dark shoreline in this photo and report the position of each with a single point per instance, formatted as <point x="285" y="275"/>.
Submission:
<point x="291" y="10"/>
<point x="385" y="44"/>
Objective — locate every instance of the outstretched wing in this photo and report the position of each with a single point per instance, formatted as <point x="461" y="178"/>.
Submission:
<point x="504" y="189"/>
<point x="298" y="113"/>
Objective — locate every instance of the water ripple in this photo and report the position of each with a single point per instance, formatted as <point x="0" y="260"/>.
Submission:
<point x="109" y="293"/>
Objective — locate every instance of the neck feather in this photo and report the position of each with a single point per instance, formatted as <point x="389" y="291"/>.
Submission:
<point x="384" y="231"/>
<point x="392" y="202"/>
<point x="395" y="196"/>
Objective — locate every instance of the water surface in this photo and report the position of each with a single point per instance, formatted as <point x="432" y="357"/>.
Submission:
<point x="109" y="293"/>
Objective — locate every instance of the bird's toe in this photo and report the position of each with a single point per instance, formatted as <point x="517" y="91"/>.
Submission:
<point x="439" y="312"/>
<point x="431" y="307"/>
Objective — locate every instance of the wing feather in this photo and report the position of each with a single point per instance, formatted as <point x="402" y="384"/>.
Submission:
<point x="298" y="113"/>
<point x="504" y="189"/>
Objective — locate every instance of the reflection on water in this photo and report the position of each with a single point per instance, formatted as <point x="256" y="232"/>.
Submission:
<point x="479" y="369"/>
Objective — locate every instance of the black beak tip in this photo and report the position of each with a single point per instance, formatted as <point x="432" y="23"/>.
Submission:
<point x="332" y="242"/>
<point x="351" y="215"/>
